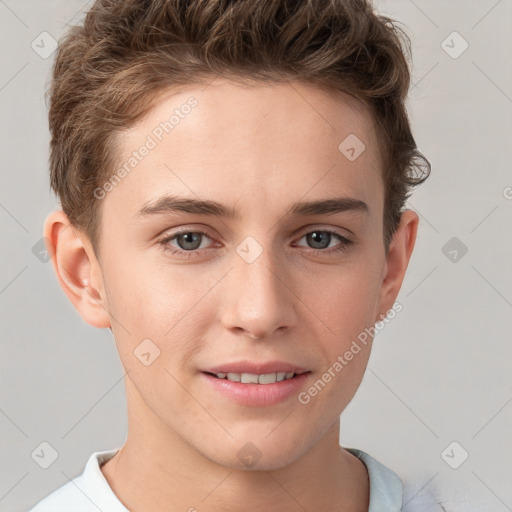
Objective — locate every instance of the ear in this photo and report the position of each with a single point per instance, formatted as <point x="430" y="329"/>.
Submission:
<point x="397" y="260"/>
<point x="77" y="269"/>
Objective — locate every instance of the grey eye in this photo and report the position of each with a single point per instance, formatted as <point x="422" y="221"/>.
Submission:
<point x="189" y="241"/>
<point x="319" y="239"/>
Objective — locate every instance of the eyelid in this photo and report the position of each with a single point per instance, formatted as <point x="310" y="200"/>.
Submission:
<point x="322" y="227"/>
<point x="172" y="236"/>
<point x="172" y="232"/>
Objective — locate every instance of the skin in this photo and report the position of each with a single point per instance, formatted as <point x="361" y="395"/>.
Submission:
<point x="259" y="149"/>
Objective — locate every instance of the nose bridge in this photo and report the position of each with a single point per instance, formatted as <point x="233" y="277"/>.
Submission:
<point x="257" y="269"/>
<point x="259" y="301"/>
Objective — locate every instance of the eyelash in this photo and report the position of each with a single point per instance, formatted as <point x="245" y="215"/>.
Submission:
<point x="345" y="243"/>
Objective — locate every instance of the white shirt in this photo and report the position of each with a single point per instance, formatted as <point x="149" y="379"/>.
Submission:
<point x="90" y="491"/>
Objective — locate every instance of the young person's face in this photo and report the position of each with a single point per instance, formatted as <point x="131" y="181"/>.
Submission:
<point x="267" y="285"/>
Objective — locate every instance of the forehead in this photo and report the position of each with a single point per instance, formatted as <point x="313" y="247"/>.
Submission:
<point x="256" y="144"/>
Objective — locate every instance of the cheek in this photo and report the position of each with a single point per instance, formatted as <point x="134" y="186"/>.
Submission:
<point x="345" y="301"/>
<point x="150" y="296"/>
<point x="347" y="308"/>
<point x="161" y="303"/>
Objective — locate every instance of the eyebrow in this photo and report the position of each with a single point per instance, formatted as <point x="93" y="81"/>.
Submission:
<point x="171" y="204"/>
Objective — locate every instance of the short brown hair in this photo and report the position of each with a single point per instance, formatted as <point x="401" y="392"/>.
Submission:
<point x="108" y="71"/>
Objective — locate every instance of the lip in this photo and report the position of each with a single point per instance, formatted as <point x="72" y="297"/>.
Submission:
<point x="257" y="395"/>
<point x="256" y="368"/>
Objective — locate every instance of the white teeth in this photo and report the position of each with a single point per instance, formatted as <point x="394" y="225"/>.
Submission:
<point x="251" y="378"/>
<point x="268" y="378"/>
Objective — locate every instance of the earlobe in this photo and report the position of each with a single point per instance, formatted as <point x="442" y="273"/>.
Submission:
<point x="77" y="269"/>
<point x="397" y="261"/>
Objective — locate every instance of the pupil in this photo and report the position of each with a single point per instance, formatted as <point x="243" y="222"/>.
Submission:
<point x="190" y="241"/>
<point x="319" y="237"/>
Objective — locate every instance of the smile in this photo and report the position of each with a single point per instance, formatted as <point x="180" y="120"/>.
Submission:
<point x="252" y="378"/>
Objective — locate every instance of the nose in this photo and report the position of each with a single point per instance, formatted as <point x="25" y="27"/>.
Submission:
<point x="259" y="297"/>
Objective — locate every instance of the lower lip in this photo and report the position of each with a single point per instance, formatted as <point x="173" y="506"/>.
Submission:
<point x="258" y="395"/>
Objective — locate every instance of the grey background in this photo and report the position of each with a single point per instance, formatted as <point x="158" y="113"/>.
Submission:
<point x="439" y="372"/>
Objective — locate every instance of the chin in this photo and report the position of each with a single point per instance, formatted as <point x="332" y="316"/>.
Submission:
<point x="248" y="453"/>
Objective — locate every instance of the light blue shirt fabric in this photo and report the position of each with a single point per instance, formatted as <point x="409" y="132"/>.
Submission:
<point x="90" y="491"/>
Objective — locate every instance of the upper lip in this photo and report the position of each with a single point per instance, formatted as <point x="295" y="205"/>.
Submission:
<point x="256" y="368"/>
